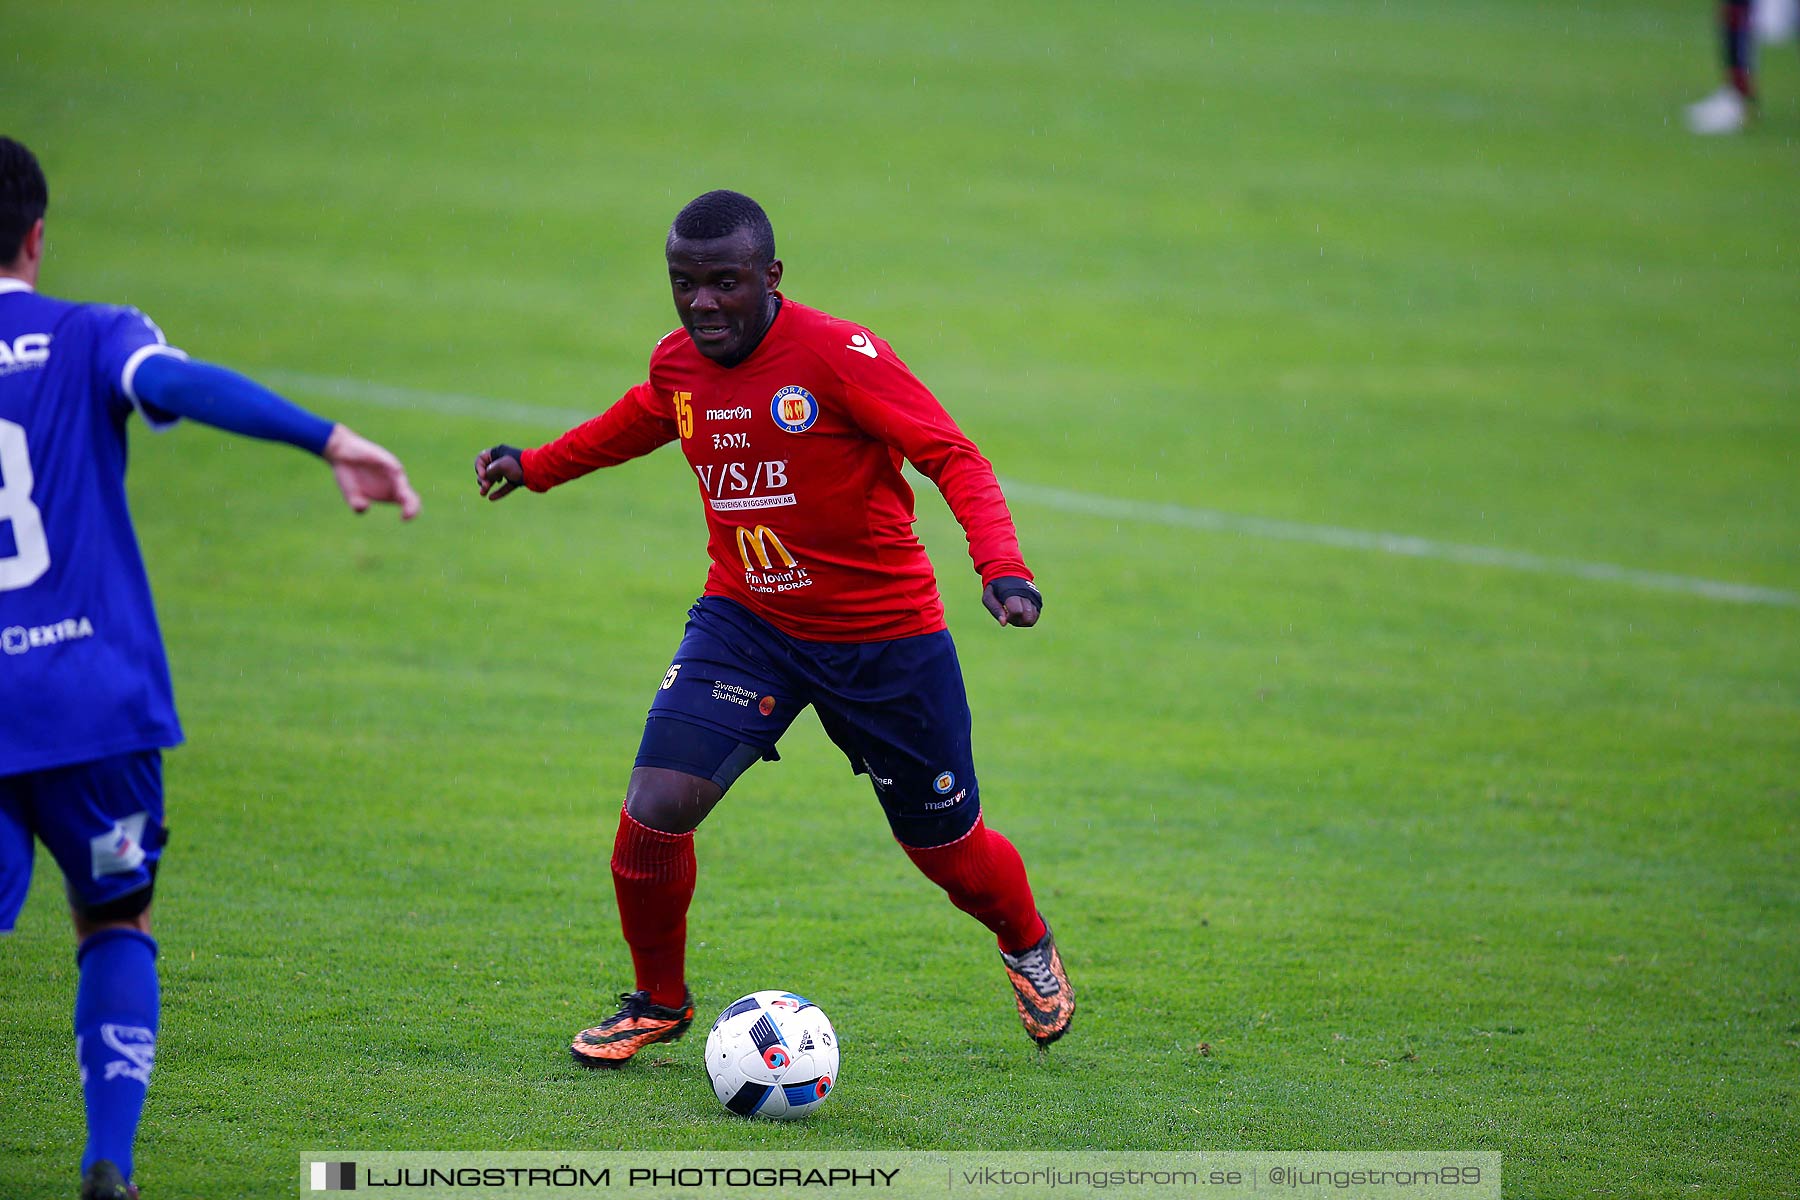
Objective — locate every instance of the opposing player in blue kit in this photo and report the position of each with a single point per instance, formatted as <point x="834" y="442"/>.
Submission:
<point x="84" y="684"/>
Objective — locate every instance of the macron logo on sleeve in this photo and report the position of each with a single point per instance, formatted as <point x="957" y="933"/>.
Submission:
<point x="863" y="344"/>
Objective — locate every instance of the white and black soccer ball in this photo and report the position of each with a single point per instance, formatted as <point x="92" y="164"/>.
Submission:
<point x="772" y="1054"/>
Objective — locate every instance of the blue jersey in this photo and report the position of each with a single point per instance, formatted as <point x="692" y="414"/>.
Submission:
<point x="82" y="669"/>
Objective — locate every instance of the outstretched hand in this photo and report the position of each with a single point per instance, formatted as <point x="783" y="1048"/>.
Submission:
<point x="1013" y="601"/>
<point x="368" y="474"/>
<point x="499" y="471"/>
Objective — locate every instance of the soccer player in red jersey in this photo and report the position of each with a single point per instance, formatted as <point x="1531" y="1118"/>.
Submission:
<point x="795" y="424"/>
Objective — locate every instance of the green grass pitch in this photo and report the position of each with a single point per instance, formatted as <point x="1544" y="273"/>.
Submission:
<point x="1347" y="849"/>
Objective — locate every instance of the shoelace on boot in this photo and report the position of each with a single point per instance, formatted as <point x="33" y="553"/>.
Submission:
<point x="1035" y="965"/>
<point x="636" y="1004"/>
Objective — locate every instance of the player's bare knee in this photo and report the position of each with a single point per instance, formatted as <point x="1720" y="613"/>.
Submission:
<point x="670" y="801"/>
<point x="130" y="911"/>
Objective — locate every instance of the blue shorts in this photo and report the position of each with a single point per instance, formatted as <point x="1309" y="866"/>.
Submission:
<point x="896" y="709"/>
<point x="101" y="820"/>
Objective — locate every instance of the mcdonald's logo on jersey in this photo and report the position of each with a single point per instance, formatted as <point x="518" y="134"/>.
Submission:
<point x="762" y="539"/>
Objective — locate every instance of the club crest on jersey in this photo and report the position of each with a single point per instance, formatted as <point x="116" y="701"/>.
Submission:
<point x="794" y="409"/>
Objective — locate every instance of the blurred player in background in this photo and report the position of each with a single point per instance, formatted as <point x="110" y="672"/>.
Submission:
<point x="795" y="424"/>
<point x="1741" y="25"/>
<point x="84" y="684"/>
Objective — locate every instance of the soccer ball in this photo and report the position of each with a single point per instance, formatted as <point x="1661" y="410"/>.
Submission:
<point x="772" y="1054"/>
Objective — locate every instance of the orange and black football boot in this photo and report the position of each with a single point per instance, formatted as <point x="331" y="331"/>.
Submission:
<point x="1041" y="987"/>
<point x="638" y="1024"/>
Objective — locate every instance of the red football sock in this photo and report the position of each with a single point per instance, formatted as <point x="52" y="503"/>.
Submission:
<point x="986" y="879"/>
<point x="653" y="876"/>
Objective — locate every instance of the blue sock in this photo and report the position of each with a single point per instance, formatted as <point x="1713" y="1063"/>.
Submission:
<point x="116" y="1006"/>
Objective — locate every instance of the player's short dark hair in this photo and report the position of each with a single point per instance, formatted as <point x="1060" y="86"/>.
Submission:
<point x="720" y="214"/>
<point x="23" y="196"/>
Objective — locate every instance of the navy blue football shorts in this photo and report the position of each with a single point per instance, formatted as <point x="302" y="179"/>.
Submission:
<point x="103" y="823"/>
<point x="896" y="709"/>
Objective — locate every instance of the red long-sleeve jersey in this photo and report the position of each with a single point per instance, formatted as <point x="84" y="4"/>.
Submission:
<point x="797" y="453"/>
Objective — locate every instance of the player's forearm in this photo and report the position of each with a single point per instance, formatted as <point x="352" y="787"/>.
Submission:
<point x="967" y="481"/>
<point x="966" y="478"/>
<point x="994" y="549"/>
<point x="226" y="400"/>
<point x="576" y="453"/>
<point x="909" y="418"/>
<point x="627" y="430"/>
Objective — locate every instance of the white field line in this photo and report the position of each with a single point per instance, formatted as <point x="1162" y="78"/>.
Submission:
<point x="1178" y="516"/>
<point x="406" y="399"/>
<point x="1181" y="516"/>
